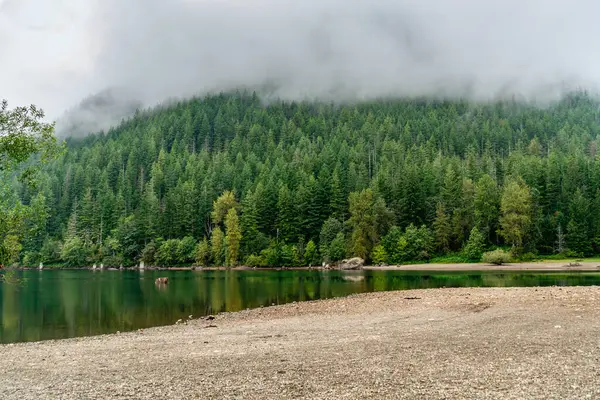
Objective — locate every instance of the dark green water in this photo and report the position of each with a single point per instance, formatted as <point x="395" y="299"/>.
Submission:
<point x="61" y="304"/>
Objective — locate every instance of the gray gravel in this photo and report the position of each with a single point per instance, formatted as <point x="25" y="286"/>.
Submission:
<point x="533" y="343"/>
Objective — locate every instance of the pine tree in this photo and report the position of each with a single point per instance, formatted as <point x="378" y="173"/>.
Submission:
<point x="287" y="217"/>
<point x="309" y="209"/>
<point x="561" y="243"/>
<point x="250" y="243"/>
<point x="486" y="203"/>
<point x="475" y="246"/>
<point x="338" y="203"/>
<point x="158" y="175"/>
<point x="86" y="221"/>
<point x="331" y="228"/>
<point x="442" y="229"/>
<point x="363" y="223"/>
<point x="150" y="212"/>
<point x="578" y="239"/>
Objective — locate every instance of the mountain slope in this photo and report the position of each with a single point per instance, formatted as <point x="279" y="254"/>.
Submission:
<point x="136" y="190"/>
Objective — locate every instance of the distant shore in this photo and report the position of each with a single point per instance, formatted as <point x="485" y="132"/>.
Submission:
<point x="463" y="343"/>
<point x="526" y="266"/>
<point x="563" y="265"/>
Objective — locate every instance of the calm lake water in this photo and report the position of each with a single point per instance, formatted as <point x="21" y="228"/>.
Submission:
<point x="61" y="304"/>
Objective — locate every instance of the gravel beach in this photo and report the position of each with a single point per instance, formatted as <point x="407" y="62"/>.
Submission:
<point x="485" y="343"/>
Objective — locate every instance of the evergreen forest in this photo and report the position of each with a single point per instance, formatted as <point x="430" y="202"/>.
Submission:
<point x="228" y="179"/>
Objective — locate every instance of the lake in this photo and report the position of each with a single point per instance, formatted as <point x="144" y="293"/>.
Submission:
<point x="67" y="303"/>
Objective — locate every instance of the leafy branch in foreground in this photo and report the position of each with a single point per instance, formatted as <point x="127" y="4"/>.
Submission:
<point x="23" y="135"/>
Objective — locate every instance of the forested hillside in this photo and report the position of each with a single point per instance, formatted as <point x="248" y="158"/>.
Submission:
<point x="227" y="180"/>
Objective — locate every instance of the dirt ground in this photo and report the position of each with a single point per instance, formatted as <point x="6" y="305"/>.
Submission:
<point x="531" y="266"/>
<point x="492" y="343"/>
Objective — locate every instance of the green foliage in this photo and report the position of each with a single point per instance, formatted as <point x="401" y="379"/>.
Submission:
<point x="186" y="249"/>
<point x="450" y="258"/>
<point x="12" y="220"/>
<point x="149" y="253"/>
<point x="311" y="254"/>
<point x="167" y="254"/>
<point x="253" y="241"/>
<point x="578" y="228"/>
<point x="9" y="249"/>
<point x="390" y="245"/>
<point x="222" y="206"/>
<point x="287" y="256"/>
<point x="368" y="218"/>
<point x="475" y="246"/>
<point x="287" y="218"/>
<point x="379" y="256"/>
<point x="297" y="168"/>
<point x="233" y="237"/>
<point x="128" y="239"/>
<point x="254" y="261"/>
<point x="277" y="255"/>
<point x="50" y="251"/>
<point x="487" y="204"/>
<point x="442" y="229"/>
<point x="113" y="260"/>
<point x="464" y="217"/>
<point x="413" y="244"/>
<point x="527" y="257"/>
<point x="330" y="230"/>
<point x="337" y="248"/>
<point x="74" y="253"/>
<point x="497" y="257"/>
<point x="416" y="243"/>
<point x="23" y="134"/>
<point x="203" y="253"/>
<point x="515" y="210"/>
<point x="175" y="251"/>
<point x="217" y="246"/>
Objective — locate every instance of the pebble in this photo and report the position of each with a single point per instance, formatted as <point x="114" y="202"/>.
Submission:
<point x="365" y="346"/>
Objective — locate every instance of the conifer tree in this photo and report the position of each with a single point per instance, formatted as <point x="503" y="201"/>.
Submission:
<point x="363" y="223"/>
<point x="442" y="229"/>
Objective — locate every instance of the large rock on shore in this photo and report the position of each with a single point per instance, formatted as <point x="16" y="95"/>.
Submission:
<point x="352" y="263"/>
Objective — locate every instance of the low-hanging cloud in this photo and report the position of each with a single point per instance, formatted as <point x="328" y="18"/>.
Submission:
<point x="151" y="50"/>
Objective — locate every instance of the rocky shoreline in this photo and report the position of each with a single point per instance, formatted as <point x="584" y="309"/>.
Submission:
<point x="525" y="266"/>
<point x="494" y="343"/>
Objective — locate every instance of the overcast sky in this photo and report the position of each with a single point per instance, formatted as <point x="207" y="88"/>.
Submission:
<point x="56" y="52"/>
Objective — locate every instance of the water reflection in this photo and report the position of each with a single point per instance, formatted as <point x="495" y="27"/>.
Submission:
<point x="59" y="304"/>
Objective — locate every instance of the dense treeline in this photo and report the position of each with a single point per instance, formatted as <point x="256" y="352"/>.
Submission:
<point x="227" y="180"/>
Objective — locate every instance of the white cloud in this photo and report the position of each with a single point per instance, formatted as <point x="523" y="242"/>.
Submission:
<point x="45" y="54"/>
<point x="155" y="49"/>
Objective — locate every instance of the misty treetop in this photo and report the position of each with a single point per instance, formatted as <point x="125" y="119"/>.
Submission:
<point x="228" y="180"/>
